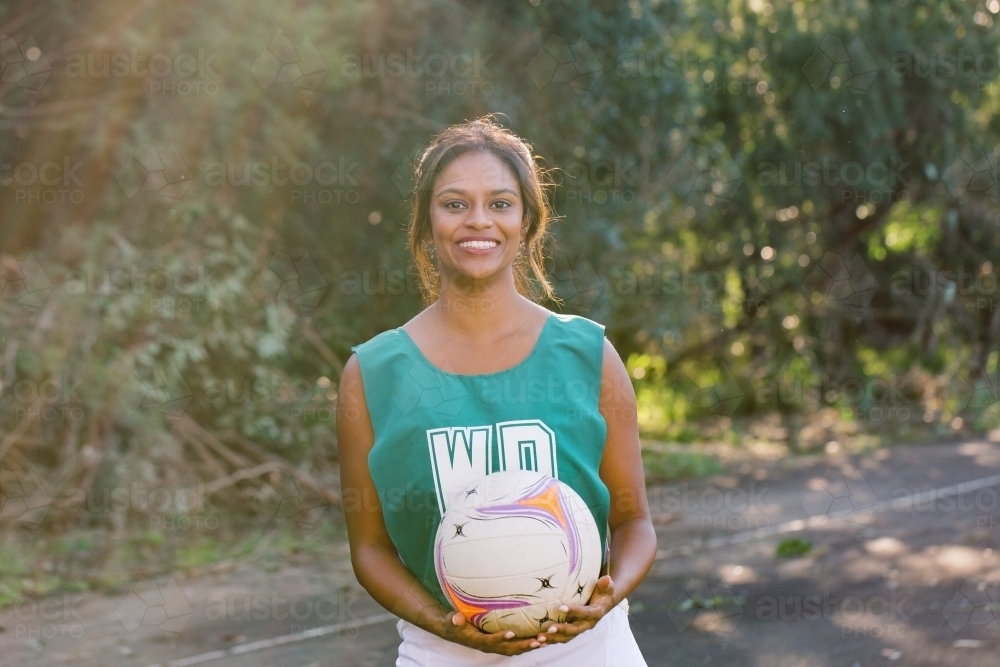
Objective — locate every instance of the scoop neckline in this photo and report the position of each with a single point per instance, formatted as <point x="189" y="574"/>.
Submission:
<point x="534" y="349"/>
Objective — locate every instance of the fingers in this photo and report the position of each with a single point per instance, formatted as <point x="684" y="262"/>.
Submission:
<point x="504" y="643"/>
<point x="563" y="632"/>
<point x="583" y="612"/>
<point x="513" y="647"/>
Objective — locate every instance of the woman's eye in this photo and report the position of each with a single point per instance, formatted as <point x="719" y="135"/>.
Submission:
<point x="454" y="204"/>
<point x="501" y="204"/>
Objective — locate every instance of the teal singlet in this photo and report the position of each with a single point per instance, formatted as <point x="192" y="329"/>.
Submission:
<point x="437" y="433"/>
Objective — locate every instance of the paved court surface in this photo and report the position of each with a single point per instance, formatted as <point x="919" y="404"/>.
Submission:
<point x="904" y="570"/>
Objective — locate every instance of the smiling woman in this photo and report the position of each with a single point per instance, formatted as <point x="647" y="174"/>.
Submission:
<point x="505" y="164"/>
<point x="419" y="416"/>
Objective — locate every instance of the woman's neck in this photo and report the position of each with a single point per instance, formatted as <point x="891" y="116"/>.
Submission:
<point x="478" y="309"/>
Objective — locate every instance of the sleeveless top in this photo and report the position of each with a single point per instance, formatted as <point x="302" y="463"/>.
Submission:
<point x="437" y="433"/>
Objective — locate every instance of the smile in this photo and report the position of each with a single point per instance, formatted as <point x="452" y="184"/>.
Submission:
<point x="479" y="245"/>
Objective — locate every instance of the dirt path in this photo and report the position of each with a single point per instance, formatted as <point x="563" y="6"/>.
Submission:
<point x="898" y="575"/>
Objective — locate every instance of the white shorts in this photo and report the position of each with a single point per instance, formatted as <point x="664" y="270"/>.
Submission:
<point x="608" y="644"/>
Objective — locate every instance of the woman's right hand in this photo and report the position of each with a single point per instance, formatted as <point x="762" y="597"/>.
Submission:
<point x="455" y="628"/>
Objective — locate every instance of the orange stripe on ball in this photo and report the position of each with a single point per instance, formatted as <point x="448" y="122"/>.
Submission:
<point x="547" y="500"/>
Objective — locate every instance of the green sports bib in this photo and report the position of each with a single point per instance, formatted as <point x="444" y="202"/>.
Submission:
<point x="437" y="433"/>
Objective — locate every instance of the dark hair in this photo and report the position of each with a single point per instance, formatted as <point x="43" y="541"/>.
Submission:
<point x="483" y="135"/>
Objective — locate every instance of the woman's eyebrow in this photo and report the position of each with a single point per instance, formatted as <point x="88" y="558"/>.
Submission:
<point x="457" y="191"/>
<point x="460" y="191"/>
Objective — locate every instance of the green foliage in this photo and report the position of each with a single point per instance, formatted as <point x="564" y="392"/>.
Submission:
<point x="793" y="547"/>
<point x="760" y="228"/>
<point x="665" y="464"/>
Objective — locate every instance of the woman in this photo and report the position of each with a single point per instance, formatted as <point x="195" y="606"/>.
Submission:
<point x="484" y="379"/>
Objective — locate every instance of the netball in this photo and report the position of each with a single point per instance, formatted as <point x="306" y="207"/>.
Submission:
<point x="513" y="548"/>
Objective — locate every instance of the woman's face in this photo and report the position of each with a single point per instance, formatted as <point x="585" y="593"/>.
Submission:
<point x="476" y="217"/>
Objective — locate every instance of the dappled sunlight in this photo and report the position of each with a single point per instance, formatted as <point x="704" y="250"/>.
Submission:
<point x="737" y="574"/>
<point x="886" y="546"/>
<point x="714" y="623"/>
<point x="983" y="453"/>
<point x="935" y="563"/>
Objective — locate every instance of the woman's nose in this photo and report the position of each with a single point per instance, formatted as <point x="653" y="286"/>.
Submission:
<point x="480" y="216"/>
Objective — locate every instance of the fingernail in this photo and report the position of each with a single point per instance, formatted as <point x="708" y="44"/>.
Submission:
<point x="509" y="635"/>
<point x="535" y="644"/>
<point x="541" y="639"/>
<point x="552" y="629"/>
<point x="564" y="609"/>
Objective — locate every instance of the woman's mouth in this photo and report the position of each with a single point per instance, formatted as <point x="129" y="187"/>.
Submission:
<point x="478" y="246"/>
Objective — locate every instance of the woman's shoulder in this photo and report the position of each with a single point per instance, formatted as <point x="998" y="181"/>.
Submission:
<point x="389" y="339"/>
<point x="577" y="324"/>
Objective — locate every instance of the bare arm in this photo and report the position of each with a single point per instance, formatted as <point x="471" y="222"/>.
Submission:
<point x="632" y="536"/>
<point x="376" y="562"/>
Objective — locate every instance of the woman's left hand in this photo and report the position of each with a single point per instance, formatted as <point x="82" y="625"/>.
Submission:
<point x="580" y="618"/>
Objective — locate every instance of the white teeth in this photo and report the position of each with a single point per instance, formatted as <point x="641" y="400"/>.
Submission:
<point x="479" y="245"/>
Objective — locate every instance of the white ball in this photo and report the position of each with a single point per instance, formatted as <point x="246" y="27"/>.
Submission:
<point x="515" y="547"/>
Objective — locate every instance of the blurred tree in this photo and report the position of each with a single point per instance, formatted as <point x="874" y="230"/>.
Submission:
<point x="206" y="204"/>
